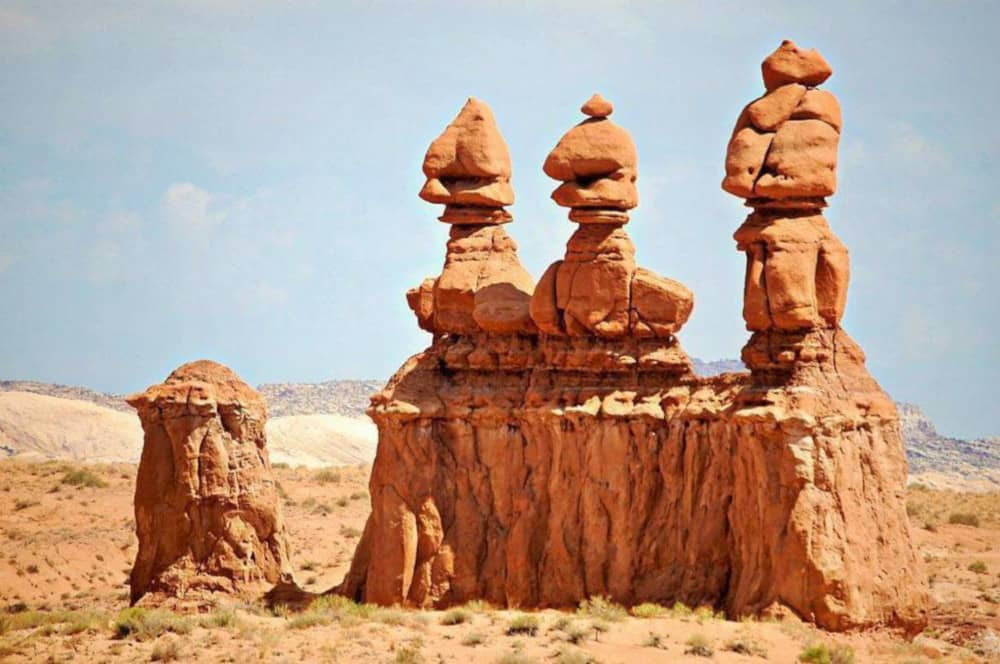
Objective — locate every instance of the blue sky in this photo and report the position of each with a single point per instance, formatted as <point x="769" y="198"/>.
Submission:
<point x="238" y="180"/>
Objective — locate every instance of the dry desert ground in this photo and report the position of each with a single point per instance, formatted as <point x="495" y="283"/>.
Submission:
<point x="66" y="535"/>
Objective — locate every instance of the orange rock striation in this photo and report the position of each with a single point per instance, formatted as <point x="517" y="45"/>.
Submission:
<point x="207" y="511"/>
<point x="582" y="457"/>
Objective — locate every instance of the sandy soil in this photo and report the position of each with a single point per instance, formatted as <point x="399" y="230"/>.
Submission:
<point x="67" y="549"/>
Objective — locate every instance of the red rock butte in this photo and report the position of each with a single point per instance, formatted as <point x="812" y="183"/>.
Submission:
<point x="550" y="448"/>
<point x="207" y="511"/>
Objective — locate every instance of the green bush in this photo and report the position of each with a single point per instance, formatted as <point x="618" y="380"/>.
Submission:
<point x="456" y="617"/>
<point x="523" y="624"/>
<point x="143" y="624"/>
<point x="648" y="610"/>
<point x="979" y="567"/>
<point x="699" y="645"/>
<point x="83" y="477"/>
<point x="603" y="608"/>
<point x="820" y="653"/>
<point x="964" y="519"/>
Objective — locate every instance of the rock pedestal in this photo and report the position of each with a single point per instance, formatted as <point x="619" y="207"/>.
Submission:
<point x="207" y="510"/>
<point x="581" y="456"/>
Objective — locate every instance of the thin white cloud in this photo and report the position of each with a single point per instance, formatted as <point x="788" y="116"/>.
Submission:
<point x="190" y="207"/>
<point x="22" y="33"/>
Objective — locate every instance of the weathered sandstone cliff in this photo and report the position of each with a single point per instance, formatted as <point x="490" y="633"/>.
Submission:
<point x="207" y="512"/>
<point x="539" y="467"/>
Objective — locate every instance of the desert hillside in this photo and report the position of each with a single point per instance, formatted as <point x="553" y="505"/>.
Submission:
<point x="36" y="426"/>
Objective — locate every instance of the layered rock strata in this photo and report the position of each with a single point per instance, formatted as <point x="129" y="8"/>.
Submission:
<point x="207" y="511"/>
<point x="482" y="287"/>
<point x="585" y="458"/>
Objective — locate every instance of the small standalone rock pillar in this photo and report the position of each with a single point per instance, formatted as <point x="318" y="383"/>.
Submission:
<point x="207" y="510"/>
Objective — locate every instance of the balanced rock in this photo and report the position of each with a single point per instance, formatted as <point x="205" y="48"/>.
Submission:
<point x="784" y="145"/>
<point x="207" y="511"/>
<point x="483" y="286"/>
<point x="597" y="289"/>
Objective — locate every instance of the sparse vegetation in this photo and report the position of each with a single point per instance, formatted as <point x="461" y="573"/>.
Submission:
<point x="745" y="644"/>
<point x="83" y="477"/>
<point x="821" y="653"/>
<point x="654" y="641"/>
<point x="699" y="645"/>
<point x="456" y="617"/>
<point x="979" y="567"/>
<point x="24" y="503"/>
<point x="473" y="639"/>
<point x="144" y="624"/>
<point x="964" y="519"/>
<point x="523" y="624"/>
<point x="167" y="649"/>
<point x="648" y="610"/>
<point x="603" y="608"/>
<point x="347" y="532"/>
<point x="328" y="476"/>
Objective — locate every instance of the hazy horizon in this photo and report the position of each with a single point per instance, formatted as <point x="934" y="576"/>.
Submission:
<point x="237" y="180"/>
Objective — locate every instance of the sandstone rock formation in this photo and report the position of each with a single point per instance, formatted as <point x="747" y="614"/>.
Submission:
<point x="598" y="289"/>
<point x="207" y="511"/>
<point x="539" y="469"/>
<point x="483" y="286"/>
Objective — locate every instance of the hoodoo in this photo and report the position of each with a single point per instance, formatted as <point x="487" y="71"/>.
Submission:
<point x="574" y="453"/>
<point x="207" y="512"/>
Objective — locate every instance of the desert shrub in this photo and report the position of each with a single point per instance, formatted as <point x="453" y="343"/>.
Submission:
<point x="219" y="618"/>
<point x="576" y="633"/>
<point x="456" y="617"/>
<point x="654" y="641"/>
<point x="964" y="519"/>
<point x="328" y="476"/>
<point x="573" y="656"/>
<point x="703" y="613"/>
<point x="83" y="477"/>
<point x="979" y="567"/>
<point x="699" y="645"/>
<point x="86" y="620"/>
<point x="744" y="644"/>
<point x="309" y="619"/>
<point x="523" y="624"/>
<point x="281" y="465"/>
<point x="24" y="503"/>
<point x="309" y="566"/>
<point x="474" y="639"/>
<point x="142" y="624"/>
<point x="167" y="649"/>
<point x="32" y="568"/>
<point x="603" y="608"/>
<point x="516" y="658"/>
<point x="358" y="495"/>
<point x="478" y="605"/>
<point x="394" y="617"/>
<point x="648" y="610"/>
<point x="680" y="610"/>
<point x="343" y="501"/>
<point x="409" y="655"/>
<point x="820" y="653"/>
<point x="348" y="532"/>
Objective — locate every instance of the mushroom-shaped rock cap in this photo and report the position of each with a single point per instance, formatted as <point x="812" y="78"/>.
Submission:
<point x="597" y="161"/>
<point x="469" y="163"/>
<point x="791" y="64"/>
<point x="206" y="383"/>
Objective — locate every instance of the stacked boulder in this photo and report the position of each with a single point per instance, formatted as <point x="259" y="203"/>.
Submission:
<point x="597" y="289"/>
<point x="207" y="509"/>
<point x="483" y="286"/>
<point x="782" y="158"/>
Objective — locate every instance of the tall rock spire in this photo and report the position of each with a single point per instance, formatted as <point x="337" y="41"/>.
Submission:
<point x="483" y="286"/>
<point x="597" y="289"/>
<point x="782" y="158"/>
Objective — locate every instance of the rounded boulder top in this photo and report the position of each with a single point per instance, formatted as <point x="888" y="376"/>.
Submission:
<point x="791" y="64"/>
<point x="211" y="380"/>
<point x="597" y="106"/>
